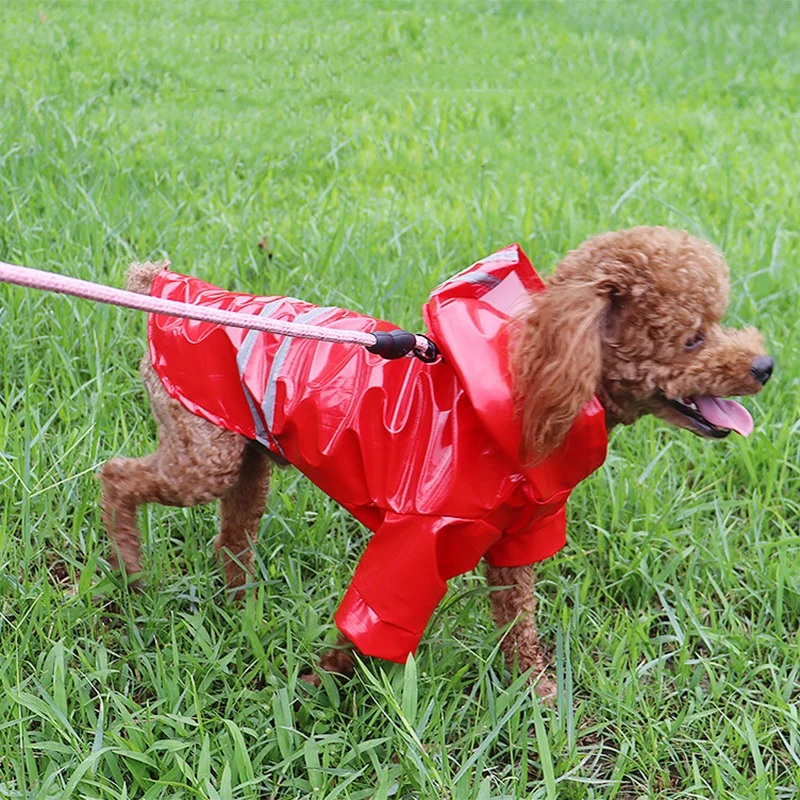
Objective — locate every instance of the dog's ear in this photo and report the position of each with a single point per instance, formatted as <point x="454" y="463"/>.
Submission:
<point x="556" y="359"/>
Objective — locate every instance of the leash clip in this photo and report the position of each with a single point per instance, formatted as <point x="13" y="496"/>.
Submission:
<point x="398" y="344"/>
<point x="430" y="354"/>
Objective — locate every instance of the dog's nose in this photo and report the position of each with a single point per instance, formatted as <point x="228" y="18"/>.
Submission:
<point x="761" y="368"/>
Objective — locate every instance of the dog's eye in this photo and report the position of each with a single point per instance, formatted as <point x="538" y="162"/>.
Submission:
<point x="695" y="341"/>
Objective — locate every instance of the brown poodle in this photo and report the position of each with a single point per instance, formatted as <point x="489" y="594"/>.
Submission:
<point x="632" y="317"/>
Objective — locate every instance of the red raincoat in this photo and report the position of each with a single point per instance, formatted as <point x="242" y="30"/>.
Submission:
<point x="425" y="455"/>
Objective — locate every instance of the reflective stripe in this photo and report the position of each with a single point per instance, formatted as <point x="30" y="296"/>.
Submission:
<point x="243" y="359"/>
<point x="262" y="434"/>
<point x="270" y="394"/>
<point x="246" y="350"/>
<point x="481" y="278"/>
<point x="509" y="255"/>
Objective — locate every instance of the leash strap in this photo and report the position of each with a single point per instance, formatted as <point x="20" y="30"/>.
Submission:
<point x="394" y="344"/>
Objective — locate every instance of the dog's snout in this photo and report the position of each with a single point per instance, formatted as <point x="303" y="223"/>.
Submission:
<point x="761" y="368"/>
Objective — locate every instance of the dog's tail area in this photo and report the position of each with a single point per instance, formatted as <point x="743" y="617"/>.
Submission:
<point x="140" y="277"/>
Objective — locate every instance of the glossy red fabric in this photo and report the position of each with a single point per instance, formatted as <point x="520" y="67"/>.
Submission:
<point x="425" y="455"/>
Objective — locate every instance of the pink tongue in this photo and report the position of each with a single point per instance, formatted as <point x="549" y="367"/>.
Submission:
<point x="725" y="413"/>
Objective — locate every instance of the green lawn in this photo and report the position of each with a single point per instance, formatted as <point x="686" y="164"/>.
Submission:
<point x="376" y="148"/>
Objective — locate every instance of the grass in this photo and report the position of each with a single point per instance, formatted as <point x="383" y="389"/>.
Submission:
<point x="375" y="149"/>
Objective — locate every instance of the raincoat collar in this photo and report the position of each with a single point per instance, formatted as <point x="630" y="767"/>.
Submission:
<point x="468" y="319"/>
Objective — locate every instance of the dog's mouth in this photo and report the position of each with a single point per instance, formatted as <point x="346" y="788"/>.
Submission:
<point x="712" y="416"/>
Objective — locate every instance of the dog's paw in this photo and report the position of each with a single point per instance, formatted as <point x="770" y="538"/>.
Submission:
<point x="546" y="688"/>
<point x="311" y="678"/>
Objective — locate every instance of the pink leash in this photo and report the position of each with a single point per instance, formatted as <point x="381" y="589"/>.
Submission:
<point x="392" y="344"/>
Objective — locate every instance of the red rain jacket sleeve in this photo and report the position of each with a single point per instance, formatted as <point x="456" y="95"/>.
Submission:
<point x="403" y="575"/>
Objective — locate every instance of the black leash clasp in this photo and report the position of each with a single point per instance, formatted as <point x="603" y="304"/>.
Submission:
<point x="430" y="354"/>
<point x="397" y="344"/>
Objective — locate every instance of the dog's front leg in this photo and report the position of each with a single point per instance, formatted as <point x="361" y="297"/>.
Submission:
<point x="513" y="603"/>
<point x="338" y="660"/>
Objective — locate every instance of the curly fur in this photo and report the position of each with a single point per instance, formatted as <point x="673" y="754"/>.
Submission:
<point x="615" y="321"/>
<point x="632" y="317"/>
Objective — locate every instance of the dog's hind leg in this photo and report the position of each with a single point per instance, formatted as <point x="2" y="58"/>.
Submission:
<point x="196" y="462"/>
<point x="241" y="509"/>
<point x="513" y="603"/>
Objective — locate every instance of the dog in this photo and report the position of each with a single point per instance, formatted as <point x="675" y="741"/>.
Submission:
<point x="470" y="457"/>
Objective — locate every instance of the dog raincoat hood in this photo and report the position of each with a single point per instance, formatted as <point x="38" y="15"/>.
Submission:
<point x="424" y="455"/>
